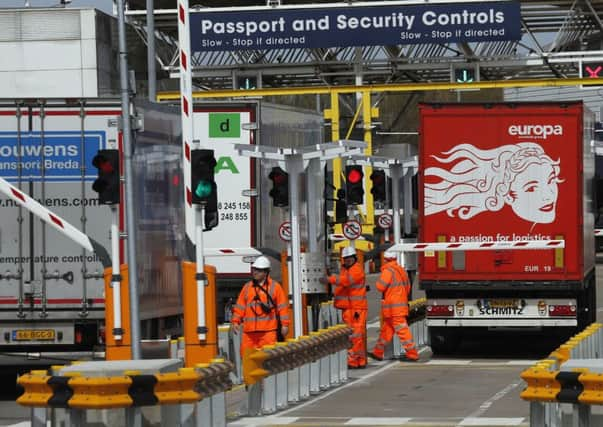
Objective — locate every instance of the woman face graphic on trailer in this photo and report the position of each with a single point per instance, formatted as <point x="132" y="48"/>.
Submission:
<point x="521" y="175"/>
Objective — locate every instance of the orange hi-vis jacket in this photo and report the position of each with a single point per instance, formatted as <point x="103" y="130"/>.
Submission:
<point x="249" y="307"/>
<point x="350" y="291"/>
<point x="395" y="286"/>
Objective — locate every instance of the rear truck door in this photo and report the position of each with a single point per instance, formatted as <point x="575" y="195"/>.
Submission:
<point x="48" y="282"/>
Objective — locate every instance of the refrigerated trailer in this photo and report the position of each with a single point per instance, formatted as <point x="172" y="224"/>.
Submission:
<point x="51" y="291"/>
<point x="51" y="298"/>
<point x="506" y="173"/>
<point x="52" y="302"/>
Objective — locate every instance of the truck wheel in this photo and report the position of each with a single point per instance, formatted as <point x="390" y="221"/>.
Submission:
<point x="444" y="341"/>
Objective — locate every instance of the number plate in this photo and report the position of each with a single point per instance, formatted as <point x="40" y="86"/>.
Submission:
<point x="33" y="335"/>
<point x="503" y="303"/>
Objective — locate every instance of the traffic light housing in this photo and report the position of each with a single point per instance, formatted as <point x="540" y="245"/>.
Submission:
<point x="354" y="186"/>
<point x="341" y="208"/>
<point x="107" y="185"/>
<point x="592" y="70"/>
<point x="379" y="186"/>
<point x="280" y="187"/>
<point x="203" y="185"/>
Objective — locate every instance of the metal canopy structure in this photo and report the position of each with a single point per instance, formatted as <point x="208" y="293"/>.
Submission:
<point x="557" y="34"/>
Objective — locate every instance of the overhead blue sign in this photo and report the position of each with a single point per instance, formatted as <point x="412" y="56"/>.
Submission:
<point x="278" y="28"/>
<point x="60" y="155"/>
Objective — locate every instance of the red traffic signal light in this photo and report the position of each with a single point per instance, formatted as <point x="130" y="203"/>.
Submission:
<point x="107" y="185"/>
<point x="355" y="174"/>
<point x="354" y="185"/>
<point x="280" y="187"/>
<point x="378" y="189"/>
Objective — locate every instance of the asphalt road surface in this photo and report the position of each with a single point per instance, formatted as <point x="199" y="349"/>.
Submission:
<point x="478" y="385"/>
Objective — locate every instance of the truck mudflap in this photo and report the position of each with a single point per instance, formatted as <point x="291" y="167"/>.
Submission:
<point x="501" y="312"/>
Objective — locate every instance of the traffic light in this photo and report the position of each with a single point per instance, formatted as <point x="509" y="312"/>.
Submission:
<point x="203" y="186"/>
<point x="354" y="187"/>
<point x="592" y="70"/>
<point x="280" y="187"/>
<point x="379" y="188"/>
<point x="464" y="73"/>
<point x="341" y="208"/>
<point x="107" y="185"/>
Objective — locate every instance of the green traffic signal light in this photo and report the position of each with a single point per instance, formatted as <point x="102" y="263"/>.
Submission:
<point x="203" y="163"/>
<point x="203" y="189"/>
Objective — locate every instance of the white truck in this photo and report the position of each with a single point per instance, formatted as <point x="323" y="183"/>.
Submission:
<point x="51" y="297"/>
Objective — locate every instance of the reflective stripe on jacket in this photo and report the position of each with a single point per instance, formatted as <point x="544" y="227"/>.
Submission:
<point x="394" y="285"/>
<point x="248" y="308"/>
<point x="350" y="291"/>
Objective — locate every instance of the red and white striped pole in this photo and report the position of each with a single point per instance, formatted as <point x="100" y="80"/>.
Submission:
<point x="479" y="246"/>
<point x="193" y="230"/>
<point x="47" y="216"/>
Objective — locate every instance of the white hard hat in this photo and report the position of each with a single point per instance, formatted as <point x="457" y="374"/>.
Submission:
<point x="389" y="254"/>
<point x="348" y="251"/>
<point x="261" y="263"/>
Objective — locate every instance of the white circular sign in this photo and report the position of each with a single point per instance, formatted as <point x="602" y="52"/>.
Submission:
<point x="284" y="231"/>
<point x="385" y="221"/>
<point x="352" y="229"/>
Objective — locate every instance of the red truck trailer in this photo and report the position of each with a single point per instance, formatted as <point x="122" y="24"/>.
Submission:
<point x="506" y="172"/>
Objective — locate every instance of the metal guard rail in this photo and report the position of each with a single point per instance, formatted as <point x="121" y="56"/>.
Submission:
<point x="573" y="373"/>
<point x="187" y="385"/>
<point x="281" y="357"/>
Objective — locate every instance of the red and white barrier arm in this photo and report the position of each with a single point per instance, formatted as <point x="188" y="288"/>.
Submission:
<point x="479" y="246"/>
<point x="55" y="221"/>
<point x="219" y="252"/>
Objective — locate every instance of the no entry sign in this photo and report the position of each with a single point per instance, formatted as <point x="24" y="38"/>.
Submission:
<point x="385" y="221"/>
<point x="352" y="230"/>
<point x="284" y="231"/>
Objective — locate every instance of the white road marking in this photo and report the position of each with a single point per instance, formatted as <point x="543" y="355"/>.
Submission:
<point x="263" y="421"/>
<point x="375" y="421"/>
<point x="448" y="362"/>
<point x="487" y="422"/>
<point x="488" y="403"/>
<point x="343" y="387"/>
<point x="362" y="421"/>
<point x="522" y="362"/>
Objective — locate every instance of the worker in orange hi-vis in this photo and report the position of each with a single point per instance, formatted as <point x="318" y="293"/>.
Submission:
<point x="393" y="283"/>
<point x="350" y="296"/>
<point x="262" y="308"/>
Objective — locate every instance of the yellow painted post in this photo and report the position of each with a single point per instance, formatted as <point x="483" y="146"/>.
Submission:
<point x="333" y="115"/>
<point x="368" y="170"/>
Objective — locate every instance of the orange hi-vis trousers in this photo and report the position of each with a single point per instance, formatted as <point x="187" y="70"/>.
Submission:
<point x="257" y="339"/>
<point x="356" y="319"/>
<point x="398" y="325"/>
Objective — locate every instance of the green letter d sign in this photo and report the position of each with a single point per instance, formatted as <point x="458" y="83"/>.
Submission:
<point x="224" y="125"/>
